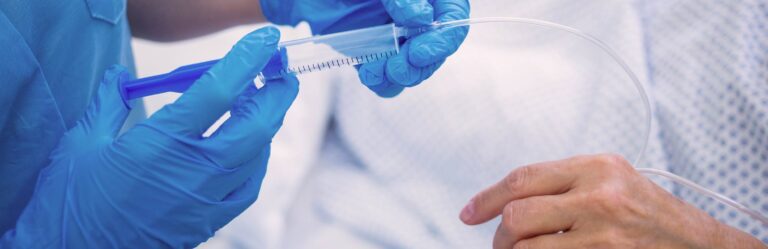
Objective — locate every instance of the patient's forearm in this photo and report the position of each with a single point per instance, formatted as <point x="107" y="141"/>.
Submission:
<point x="170" y="20"/>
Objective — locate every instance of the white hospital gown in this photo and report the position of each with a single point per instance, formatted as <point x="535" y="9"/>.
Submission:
<point x="390" y="173"/>
<point x="708" y="67"/>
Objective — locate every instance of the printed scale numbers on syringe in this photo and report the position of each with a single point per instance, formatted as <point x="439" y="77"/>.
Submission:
<point x="301" y="56"/>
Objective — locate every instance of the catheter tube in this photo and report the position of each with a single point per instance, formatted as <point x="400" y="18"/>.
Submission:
<point x="701" y="190"/>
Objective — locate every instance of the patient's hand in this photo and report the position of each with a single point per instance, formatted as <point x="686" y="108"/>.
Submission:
<point x="594" y="202"/>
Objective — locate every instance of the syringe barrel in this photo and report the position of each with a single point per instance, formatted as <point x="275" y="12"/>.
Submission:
<point x="293" y="57"/>
<point x="340" y="49"/>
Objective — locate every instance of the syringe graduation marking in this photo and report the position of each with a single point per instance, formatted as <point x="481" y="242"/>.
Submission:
<point x="346" y="61"/>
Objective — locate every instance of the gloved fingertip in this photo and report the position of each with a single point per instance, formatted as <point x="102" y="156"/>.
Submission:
<point x="255" y="49"/>
<point x="388" y="90"/>
<point x="453" y="10"/>
<point x="411" y="13"/>
<point x="111" y="86"/>
<point x="435" y="46"/>
<point x="425" y="54"/>
<point x="400" y="72"/>
<point x="114" y="78"/>
<point x="108" y="109"/>
<point x="372" y="74"/>
<point x="268" y="35"/>
<point x="225" y="81"/>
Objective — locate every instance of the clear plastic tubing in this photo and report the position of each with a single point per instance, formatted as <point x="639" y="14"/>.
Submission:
<point x="701" y="190"/>
<point x="355" y="47"/>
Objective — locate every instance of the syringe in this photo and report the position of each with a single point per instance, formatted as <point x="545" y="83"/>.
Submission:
<point x="301" y="56"/>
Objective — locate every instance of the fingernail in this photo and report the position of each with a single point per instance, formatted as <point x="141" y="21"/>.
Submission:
<point x="468" y="211"/>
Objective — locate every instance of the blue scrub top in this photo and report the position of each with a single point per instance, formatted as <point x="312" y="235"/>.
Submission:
<point x="52" y="57"/>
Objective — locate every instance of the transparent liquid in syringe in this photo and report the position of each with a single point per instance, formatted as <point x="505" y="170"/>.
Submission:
<point x="339" y="50"/>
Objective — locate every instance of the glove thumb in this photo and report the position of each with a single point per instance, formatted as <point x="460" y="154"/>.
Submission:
<point x="107" y="112"/>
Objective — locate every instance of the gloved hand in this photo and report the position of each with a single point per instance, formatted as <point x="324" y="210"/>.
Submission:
<point x="418" y="58"/>
<point x="160" y="184"/>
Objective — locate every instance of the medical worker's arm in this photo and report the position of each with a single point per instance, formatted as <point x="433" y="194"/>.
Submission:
<point x="171" y="20"/>
<point x="160" y="184"/>
<point x="599" y="202"/>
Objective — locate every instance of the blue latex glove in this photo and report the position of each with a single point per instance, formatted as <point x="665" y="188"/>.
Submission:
<point x="419" y="57"/>
<point x="160" y="184"/>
